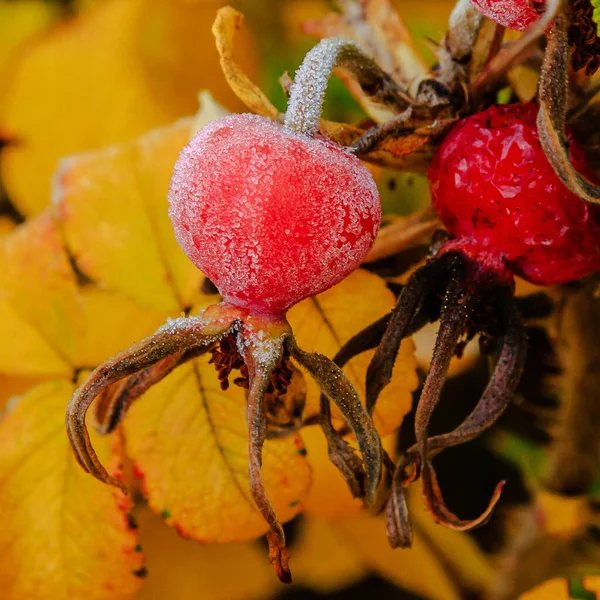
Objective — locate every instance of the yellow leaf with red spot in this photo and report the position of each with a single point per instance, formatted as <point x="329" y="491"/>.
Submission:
<point x="40" y="311"/>
<point x="64" y="535"/>
<point x="180" y="569"/>
<point x="189" y="441"/>
<point x="114" y="210"/>
<point x="326" y="322"/>
<point x="108" y="75"/>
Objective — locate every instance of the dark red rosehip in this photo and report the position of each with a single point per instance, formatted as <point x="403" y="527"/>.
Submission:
<point x="497" y="194"/>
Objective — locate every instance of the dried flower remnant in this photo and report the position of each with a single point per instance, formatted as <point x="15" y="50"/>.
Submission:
<point x="242" y="186"/>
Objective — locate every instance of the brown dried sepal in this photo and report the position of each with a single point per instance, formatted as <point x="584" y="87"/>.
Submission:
<point x="336" y="387"/>
<point x="128" y="374"/>
<point x="553" y="94"/>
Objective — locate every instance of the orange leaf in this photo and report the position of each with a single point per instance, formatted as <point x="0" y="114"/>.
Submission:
<point x="40" y="310"/>
<point x="64" y="535"/>
<point x="326" y="322"/>
<point x="189" y="440"/>
<point x="108" y="75"/>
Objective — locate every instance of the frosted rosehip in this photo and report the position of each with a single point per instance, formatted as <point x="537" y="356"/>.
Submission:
<point x="514" y="14"/>
<point x="498" y="195"/>
<point x="271" y="216"/>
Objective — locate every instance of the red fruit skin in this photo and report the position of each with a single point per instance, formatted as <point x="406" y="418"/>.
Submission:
<point x="497" y="194"/>
<point x="270" y="216"/>
<point x="514" y="14"/>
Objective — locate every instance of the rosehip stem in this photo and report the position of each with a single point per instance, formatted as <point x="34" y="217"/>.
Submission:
<point x="307" y="93"/>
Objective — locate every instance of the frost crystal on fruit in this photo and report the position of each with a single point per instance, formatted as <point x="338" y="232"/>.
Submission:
<point x="269" y="215"/>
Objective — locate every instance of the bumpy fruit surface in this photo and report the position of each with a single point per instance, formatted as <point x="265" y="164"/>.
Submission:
<point x="270" y="216"/>
<point x="514" y="14"/>
<point x="496" y="192"/>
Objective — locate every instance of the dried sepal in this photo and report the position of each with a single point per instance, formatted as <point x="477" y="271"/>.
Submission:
<point x="336" y="386"/>
<point x="261" y="363"/>
<point x="398" y="528"/>
<point x="114" y="401"/>
<point x="170" y="341"/>
<point x="404" y="133"/>
<point x="341" y="453"/>
<point x="464" y="25"/>
<point x="453" y="322"/>
<point x="422" y="282"/>
<point x="553" y="95"/>
<point x="499" y="391"/>
<point x="434" y="502"/>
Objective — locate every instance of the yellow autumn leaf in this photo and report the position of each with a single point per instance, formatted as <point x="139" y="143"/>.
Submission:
<point x="114" y="210"/>
<point x="63" y="535"/>
<point x="180" y="569"/>
<point x="20" y="21"/>
<point x="458" y="550"/>
<point x="189" y="439"/>
<point x="113" y="207"/>
<point x="112" y="322"/>
<point x="558" y="589"/>
<point x="108" y="75"/>
<point x="322" y="560"/>
<point x="40" y="310"/>
<point x="12" y="386"/>
<point x="417" y="569"/>
<point x="326" y="322"/>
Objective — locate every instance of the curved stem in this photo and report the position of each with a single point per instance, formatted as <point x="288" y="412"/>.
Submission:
<point x="307" y="93"/>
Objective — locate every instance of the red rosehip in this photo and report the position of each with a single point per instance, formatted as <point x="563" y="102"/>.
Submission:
<point x="497" y="194"/>
<point x="514" y="14"/>
<point x="271" y="216"/>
